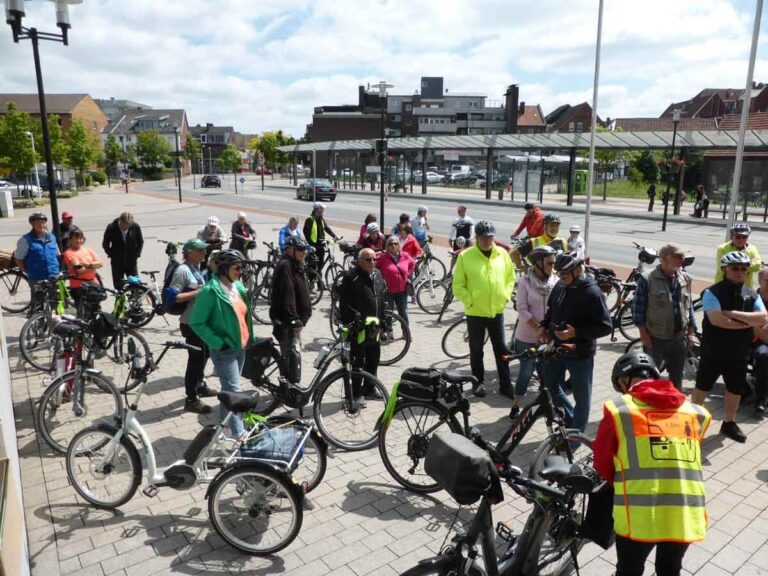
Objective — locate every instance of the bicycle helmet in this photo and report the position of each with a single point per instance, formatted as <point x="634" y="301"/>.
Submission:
<point x="633" y="365"/>
<point x="296" y="242"/>
<point x="732" y="258"/>
<point x="567" y="261"/>
<point x="529" y="205"/>
<point x="226" y="258"/>
<point x="575" y="228"/>
<point x="317" y="206"/>
<point x="551" y="219"/>
<point x="372" y="227"/>
<point x="37" y="216"/>
<point x="741" y="229"/>
<point x="422" y="209"/>
<point x="213" y="221"/>
<point x="541" y="253"/>
<point x="460" y="243"/>
<point x="485" y="228"/>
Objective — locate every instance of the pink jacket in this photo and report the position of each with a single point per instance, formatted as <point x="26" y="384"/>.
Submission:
<point x="531" y="303"/>
<point x="395" y="273"/>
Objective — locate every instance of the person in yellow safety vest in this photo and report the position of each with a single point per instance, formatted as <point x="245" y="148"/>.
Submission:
<point x="549" y="238"/>
<point x="648" y="446"/>
<point x="739" y="242"/>
<point x="315" y="230"/>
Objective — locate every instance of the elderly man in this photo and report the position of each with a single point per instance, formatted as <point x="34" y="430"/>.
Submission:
<point x="739" y="243"/>
<point x="37" y="253"/>
<point x="731" y="312"/>
<point x="123" y="243"/>
<point x="483" y="280"/>
<point x="362" y="297"/>
<point x="664" y="312"/>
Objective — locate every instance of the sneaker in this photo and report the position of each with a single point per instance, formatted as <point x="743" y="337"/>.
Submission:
<point x="732" y="431"/>
<point x="205" y="392"/>
<point x="761" y="406"/>
<point x="478" y="390"/>
<point x="196" y="406"/>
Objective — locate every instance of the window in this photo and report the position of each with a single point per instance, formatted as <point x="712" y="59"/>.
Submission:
<point x="202" y="139"/>
<point x="579" y="127"/>
<point x="531" y="131"/>
<point x="571" y="127"/>
<point x="408" y="107"/>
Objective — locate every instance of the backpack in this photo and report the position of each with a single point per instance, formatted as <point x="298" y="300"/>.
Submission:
<point x="169" y="293"/>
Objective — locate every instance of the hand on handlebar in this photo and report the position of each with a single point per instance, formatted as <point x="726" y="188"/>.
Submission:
<point x="566" y="332"/>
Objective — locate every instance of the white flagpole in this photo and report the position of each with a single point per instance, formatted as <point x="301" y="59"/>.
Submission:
<point x="591" y="176"/>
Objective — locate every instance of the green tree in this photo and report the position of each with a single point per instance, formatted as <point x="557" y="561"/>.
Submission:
<point x="230" y="160"/>
<point x="646" y="170"/>
<point x="112" y="155"/>
<point x="16" y="153"/>
<point x="153" y="152"/>
<point x="193" y="151"/>
<point x="606" y="160"/>
<point x="58" y="145"/>
<point x="83" y="149"/>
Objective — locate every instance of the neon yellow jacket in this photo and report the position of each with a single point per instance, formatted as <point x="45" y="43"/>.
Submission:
<point x="484" y="285"/>
<point x="750" y="250"/>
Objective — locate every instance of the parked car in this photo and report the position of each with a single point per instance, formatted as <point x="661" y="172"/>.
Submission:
<point x="435" y="178"/>
<point x="317" y="189"/>
<point x="267" y="171"/>
<point x="210" y="181"/>
<point x="61" y="184"/>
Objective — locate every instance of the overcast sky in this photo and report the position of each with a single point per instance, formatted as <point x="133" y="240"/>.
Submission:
<point x="264" y="64"/>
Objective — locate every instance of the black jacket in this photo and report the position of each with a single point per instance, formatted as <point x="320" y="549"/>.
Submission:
<point x="729" y="344"/>
<point x="362" y="293"/>
<point x="322" y="228"/>
<point x="582" y="306"/>
<point x="237" y="243"/>
<point x="119" y="251"/>
<point x="290" y="299"/>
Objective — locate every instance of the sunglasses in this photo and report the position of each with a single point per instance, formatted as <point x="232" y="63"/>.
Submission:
<point x="369" y="259"/>
<point x="741" y="236"/>
<point x="740" y="268"/>
<point x="237" y="268"/>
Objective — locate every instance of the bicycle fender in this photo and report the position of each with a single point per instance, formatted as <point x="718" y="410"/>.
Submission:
<point x="442" y="564"/>
<point x="260" y="466"/>
<point x="389" y="410"/>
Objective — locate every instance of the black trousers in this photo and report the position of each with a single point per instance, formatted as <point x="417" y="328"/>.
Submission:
<point x="651" y="201"/>
<point x="193" y="377"/>
<point x="120" y="270"/>
<point x="366" y="357"/>
<point x="631" y="556"/>
<point x="290" y="353"/>
<point x="476" y="328"/>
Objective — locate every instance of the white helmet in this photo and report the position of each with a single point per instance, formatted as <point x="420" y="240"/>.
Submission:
<point x="372" y="227"/>
<point x="422" y="209"/>
<point x="575" y="228"/>
<point x="241" y="216"/>
<point x="317" y="206"/>
<point x="735" y="257"/>
<point x="213" y="221"/>
<point x="460" y="243"/>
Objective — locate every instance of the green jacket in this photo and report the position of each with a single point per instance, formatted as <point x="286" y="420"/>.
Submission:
<point x="213" y="317"/>
<point x="483" y="284"/>
<point x="750" y="251"/>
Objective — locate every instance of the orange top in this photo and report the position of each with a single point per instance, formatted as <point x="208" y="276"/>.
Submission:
<point x="241" y="311"/>
<point x="82" y="255"/>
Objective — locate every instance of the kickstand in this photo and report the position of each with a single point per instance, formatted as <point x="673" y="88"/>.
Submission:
<point x="574" y="555"/>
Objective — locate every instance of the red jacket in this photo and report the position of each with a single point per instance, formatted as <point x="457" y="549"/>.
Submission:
<point x="534" y="223"/>
<point x="656" y="393"/>
<point x="376" y="245"/>
<point x="411" y="246"/>
<point x="395" y="273"/>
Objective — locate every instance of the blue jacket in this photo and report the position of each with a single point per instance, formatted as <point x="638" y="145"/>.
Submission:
<point x="285" y="232"/>
<point x="42" y="260"/>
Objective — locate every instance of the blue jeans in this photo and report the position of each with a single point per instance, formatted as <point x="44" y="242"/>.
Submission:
<point x="580" y="369"/>
<point x="228" y="365"/>
<point x="401" y="302"/>
<point x="525" y="371"/>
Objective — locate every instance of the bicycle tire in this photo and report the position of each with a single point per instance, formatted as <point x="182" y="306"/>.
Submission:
<point x="612" y="294"/>
<point x="552" y="444"/>
<point x="390" y="352"/>
<point x="360" y="430"/>
<point x="37" y="343"/>
<point x="626" y="323"/>
<point x="455" y="342"/>
<point x="126" y="454"/>
<point x="259" y="307"/>
<point x="442" y="566"/>
<point x="634" y="345"/>
<point x="332" y="272"/>
<point x="272" y="402"/>
<point x="316" y="287"/>
<point x="431" y="296"/>
<point x="142" y="306"/>
<point x="315" y="450"/>
<point x="15" y="291"/>
<point x="270" y="483"/>
<point x="57" y="427"/>
<point x="439" y="271"/>
<point x="412" y="450"/>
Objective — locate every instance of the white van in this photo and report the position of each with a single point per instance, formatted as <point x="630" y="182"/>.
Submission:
<point x="460" y="169"/>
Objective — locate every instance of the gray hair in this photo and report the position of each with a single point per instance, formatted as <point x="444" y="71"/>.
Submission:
<point x="761" y="273"/>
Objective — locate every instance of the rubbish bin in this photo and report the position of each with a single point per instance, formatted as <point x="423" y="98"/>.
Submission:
<point x="6" y="204"/>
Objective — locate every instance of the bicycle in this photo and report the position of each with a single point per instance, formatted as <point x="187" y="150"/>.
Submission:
<point x="455" y="342"/>
<point x="417" y="409"/>
<point x="15" y="290"/>
<point x="332" y="269"/>
<point x="344" y="420"/>
<point x="253" y="503"/>
<point x="550" y="541"/>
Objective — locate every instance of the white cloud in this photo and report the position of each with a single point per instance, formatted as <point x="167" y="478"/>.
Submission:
<point x="265" y="65"/>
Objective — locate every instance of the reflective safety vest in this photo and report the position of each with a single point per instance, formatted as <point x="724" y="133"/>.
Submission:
<point x="658" y="483"/>
<point x="313" y="234"/>
<point x="556" y="243"/>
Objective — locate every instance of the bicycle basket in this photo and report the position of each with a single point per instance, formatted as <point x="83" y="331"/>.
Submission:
<point x="348" y="247"/>
<point x="6" y="259"/>
<point x="273" y="444"/>
<point x="647" y="256"/>
<point x="420" y="384"/>
<point x="462" y="468"/>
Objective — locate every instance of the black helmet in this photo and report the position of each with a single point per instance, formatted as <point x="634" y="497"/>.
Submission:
<point x="634" y="365"/>
<point x="37" y="216"/>
<point x="551" y="219"/>
<point x="226" y="258"/>
<point x="529" y="205"/>
<point x="296" y="242"/>
<point x="540" y="253"/>
<point x="567" y="261"/>
<point x="741" y="229"/>
<point x="485" y="228"/>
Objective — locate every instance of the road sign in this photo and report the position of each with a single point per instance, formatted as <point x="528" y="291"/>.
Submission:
<point x="242" y="179"/>
<point x="373" y="169"/>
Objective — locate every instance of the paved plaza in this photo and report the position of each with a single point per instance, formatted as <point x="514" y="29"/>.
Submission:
<point x="358" y="521"/>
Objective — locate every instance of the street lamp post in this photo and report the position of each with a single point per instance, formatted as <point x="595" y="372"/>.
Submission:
<point x="382" y="148"/>
<point x="37" y="173"/>
<point x="675" y="121"/>
<point x="14" y="13"/>
<point x="177" y="134"/>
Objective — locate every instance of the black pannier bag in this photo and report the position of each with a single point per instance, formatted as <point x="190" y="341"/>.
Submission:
<point x="257" y="357"/>
<point x="420" y="384"/>
<point x="459" y="466"/>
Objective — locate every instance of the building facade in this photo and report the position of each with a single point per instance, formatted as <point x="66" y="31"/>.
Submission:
<point x="68" y="107"/>
<point x="213" y="140"/>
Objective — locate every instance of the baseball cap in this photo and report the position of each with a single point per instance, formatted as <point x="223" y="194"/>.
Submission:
<point x="194" y="244"/>
<point x="671" y="249"/>
<point x="66" y="214"/>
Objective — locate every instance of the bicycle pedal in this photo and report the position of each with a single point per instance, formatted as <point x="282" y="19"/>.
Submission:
<point x="504" y="532"/>
<point x="150" y="491"/>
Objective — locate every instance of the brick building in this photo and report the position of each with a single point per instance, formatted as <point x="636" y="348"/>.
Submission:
<point x="68" y="107"/>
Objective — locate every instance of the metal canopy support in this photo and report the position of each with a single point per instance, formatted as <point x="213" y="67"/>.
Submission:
<point x="488" y="172"/>
<point x="593" y="131"/>
<point x="424" y="171"/>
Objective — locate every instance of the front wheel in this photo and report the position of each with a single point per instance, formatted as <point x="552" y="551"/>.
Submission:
<point x="103" y="470"/>
<point x="455" y="341"/>
<point x="142" y="305"/>
<point x="15" y="293"/>
<point x="331" y="273"/>
<point x="347" y="408"/>
<point x="395" y="341"/>
<point x="442" y="566"/>
<point x="431" y="296"/>
<point x="316" y="287"/>
<point x="627" y="325"/>
<point x="255" y="509"/>
<point x="259" y="305"/>
<point x="39" y="345"/>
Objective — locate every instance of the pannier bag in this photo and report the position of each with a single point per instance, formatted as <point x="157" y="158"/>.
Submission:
<point x="257" y="357"/>
<point x="273" y="444"/>
<point x="420" y="384"/>
<point x="459" y="466"/>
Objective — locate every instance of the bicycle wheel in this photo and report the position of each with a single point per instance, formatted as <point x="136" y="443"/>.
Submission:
<point x="634" y="345"/>
<point x="553" y="444"/>
<point x="404" y="439"/>
<point x="455" y="341"/>
<point x="334" y="317"/>
<point x="316" y="287"/>
<point x="431" y="296"/>
<point x="612" y="294"/>
<point x="311" y="467"/>
<point x="142" y="304"/>
<point x="331" y="273"/>
<point x="117" y="352"/>
<point x="443" y="566"/>
<point x="15" y="292"/>
<point x="626" y="321"/>
<point x="104" y="472"/>
<point x="396" y="339"/>
<point x="342" y="427"/>
<point x="439" y="271"/>
<point x="255" y="509"/>
<point x="39" y="345"/>
<point x="73" y="401"/>
<point x="266" y="384"/>
<point x="259" y="306"/>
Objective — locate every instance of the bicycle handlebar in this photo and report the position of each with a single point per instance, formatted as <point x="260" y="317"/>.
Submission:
<point x="543" y="351"/>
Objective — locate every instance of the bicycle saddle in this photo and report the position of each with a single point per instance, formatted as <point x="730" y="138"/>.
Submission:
<point x="454" y="377"/>
<point x="238" y="401"/>
<point x="557" y="467"/>
<point x="150" y="271"/>
<point x="67" y="329"/>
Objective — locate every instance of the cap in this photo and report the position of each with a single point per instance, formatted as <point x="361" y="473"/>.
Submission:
<point x="461" y="207"/>
<point x="372" y="227"/>
<point x="241" y="216"/>
<point x="193" y="244"/>
<point x="213" y="220"/>
<point x="317" y="206"/>
<point x="66" y="214"/>
<point x="671" y="249"/>
<point x="575" y="228"/>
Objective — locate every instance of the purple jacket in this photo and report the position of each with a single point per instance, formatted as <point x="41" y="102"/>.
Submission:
<point x="531" y="303"/>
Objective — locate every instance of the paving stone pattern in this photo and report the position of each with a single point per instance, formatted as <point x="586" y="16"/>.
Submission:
<point x="358" y="521"/>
